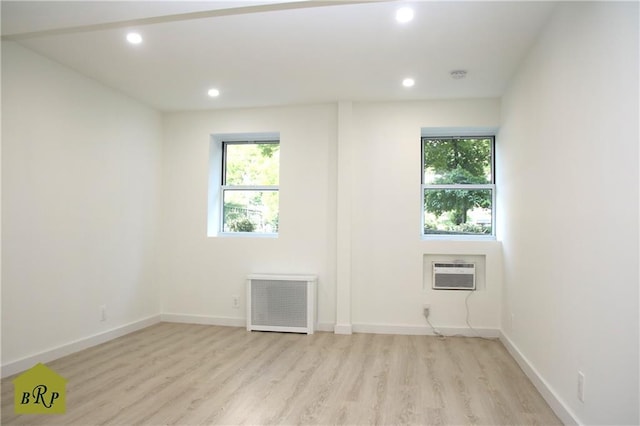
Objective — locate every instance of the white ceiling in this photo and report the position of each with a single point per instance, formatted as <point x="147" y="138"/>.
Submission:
<point x="274" y="53"/>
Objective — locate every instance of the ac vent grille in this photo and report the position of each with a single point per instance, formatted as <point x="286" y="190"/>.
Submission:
<point x="454" y="265"/>
<point x="454" y="276"/>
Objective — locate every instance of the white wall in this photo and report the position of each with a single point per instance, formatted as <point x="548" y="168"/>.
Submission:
<point x="387" y="249"/>
<point x="80" y="195"/>
<point x="568" y="180"/>
<point x="200" y="274"/>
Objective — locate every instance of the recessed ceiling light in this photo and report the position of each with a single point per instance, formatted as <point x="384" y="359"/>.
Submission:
<point x="134" y="38"/>
<point x="458" y="74"/>
<point x="408" y="82"/>
<point x="213" y="93"/>
<point x="404" y="14"/>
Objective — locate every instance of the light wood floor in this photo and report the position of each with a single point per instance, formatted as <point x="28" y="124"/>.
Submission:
<point x="195" y="374"/>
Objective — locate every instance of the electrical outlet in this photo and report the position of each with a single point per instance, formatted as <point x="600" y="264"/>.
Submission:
<point x="103" y="312"/>
<point x="235" y="304"/>
<point x="580" y="386"/>
<point x="426" y="310"/>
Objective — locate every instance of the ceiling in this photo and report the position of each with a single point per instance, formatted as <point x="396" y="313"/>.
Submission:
<point x="259" y="53"/>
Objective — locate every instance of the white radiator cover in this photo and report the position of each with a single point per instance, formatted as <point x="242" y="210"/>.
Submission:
<point x="285" y="303"/>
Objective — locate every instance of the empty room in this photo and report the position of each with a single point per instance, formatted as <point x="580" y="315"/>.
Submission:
<point x="320" y="212"/>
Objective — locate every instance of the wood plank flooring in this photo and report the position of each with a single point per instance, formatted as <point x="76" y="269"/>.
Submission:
<point x="188" y="374"/>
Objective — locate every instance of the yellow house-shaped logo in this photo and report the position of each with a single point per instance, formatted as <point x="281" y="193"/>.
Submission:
<point x="39" y="390"/>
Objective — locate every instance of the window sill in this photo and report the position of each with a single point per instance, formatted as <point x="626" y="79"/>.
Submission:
<point x="436" y="237"/>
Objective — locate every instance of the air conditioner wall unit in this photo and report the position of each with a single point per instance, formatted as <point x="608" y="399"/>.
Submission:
<point x="454" y="276"/>
<point x="285" y="303"/>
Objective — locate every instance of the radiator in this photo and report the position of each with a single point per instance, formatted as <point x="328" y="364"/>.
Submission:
<point x="285" y="303"/>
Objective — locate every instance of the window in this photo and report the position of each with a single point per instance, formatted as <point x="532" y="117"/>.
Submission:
<point x="249" y="186"/>
<point x="458" y="186"/>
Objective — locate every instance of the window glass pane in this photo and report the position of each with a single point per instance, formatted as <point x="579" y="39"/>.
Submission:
<point x="252" y="163"/>
<point x="457" y="211"/>
<point x="250" y="211"/>
<point x="457" y="161"/>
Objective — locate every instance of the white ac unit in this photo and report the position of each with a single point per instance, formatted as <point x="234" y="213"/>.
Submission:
<point x="284" y="303"/>
<point x="454" y="276"/>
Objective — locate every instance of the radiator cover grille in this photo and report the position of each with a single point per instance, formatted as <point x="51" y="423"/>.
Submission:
<point x="281" y="303"/>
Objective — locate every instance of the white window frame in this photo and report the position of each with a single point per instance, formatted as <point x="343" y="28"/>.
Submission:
<point x="462" y="134"/>
<point x="217" y="187"/>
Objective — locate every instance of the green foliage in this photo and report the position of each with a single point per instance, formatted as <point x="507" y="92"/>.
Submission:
<point x="242" y="225"/>
<point x="268" y="150"/>
<point x="233" y="212"/>
<point x="252" y="164"/>
<point x="472" y="155"/>
<point x="464" y="228"/>
<point x="472" y="228"/>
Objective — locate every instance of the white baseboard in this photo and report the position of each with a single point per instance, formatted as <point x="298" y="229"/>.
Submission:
<point x="223" y="321"/>
<point x="423" y="330"/>
<point x="23" y="364"/>
<point x="554" y="401"/>
<point x="342" y="329"/>
<point x="325" y="326"/>
<point x="204" y="319"/>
